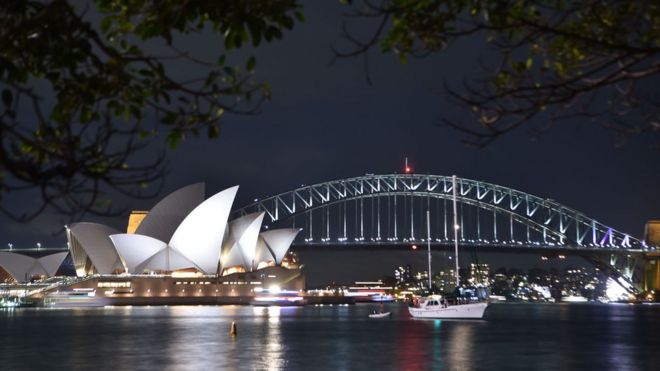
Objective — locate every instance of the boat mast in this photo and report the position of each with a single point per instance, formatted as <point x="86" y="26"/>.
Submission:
<point x="428" y="241"/>
<point x="453" y="183"/>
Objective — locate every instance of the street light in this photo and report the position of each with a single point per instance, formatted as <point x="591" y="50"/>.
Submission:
<point x="11" y="246"/>
<point x="38" y="245"/>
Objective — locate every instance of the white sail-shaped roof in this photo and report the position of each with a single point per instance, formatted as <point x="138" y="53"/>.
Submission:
<point x="167" y="259"/>
<point x="95" y="240"/>
<point x="246" y="232"/>
<point x="51" y="263"/>
<point x="135" y="249"/>
<point x="22" y="267"/>
<point x="199" y="237"/>
<point x="262" y="253"/>
<point x="240" y="242"/>
<point x="163" y="219"/>
<point x="279" y="241"/>
<point x="78" y="254"/>
<point x="232" y="257"/>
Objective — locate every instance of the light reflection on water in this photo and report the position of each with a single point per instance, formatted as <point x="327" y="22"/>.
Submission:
<point x="270" y="350"/>
<point x="460" y="344"/>
<point x="595" y="337"/>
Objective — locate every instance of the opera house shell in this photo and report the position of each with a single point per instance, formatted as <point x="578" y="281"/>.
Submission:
<point x="182" y="232"/>
<point x="16" y="267"/>
<point x="184" y="250"/>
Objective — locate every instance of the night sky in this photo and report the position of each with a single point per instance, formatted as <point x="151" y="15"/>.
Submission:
<point x="325" y="122"/>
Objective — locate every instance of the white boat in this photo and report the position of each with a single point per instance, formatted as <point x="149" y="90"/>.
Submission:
<point x="84" y="297"/>
<point x="380" y="315"/>
<point x="433" y="306"/>
<point x="277" y="297"/>
<point x="497" y="298"/>
<point x="382" y="298"/>
<point x="574" y="299"/>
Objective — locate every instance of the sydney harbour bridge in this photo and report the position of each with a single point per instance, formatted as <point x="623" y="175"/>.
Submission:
<point x="374" y="211"/>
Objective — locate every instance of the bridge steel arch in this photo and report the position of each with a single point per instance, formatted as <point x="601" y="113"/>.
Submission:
<point x="561" y="227"/>
<point x="565" y="226"/>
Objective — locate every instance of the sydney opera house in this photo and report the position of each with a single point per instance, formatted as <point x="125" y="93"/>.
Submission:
<point x="183" y="251"/>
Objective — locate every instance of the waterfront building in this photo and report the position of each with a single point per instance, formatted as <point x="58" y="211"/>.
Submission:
<point x="403" y="275"/>
<point x="479" y="275"/>
<point x="445" y="280"/>
<point x="422" y="276"/>
<point x="370" y="291"/>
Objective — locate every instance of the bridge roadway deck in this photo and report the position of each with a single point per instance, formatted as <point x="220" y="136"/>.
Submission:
<point x="436" y="246"/>
<point x="36" y="252"/>
<point x="496" y="248"/>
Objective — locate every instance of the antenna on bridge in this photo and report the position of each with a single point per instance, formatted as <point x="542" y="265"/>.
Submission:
<point x="407" y="169"/>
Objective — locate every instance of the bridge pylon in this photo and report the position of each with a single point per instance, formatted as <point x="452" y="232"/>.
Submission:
<point x="651" y="280"/>
<point x="652" y="259"/>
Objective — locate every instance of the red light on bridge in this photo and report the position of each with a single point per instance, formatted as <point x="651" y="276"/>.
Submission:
<point x="407" y="169"/>
<point x="414" y="247"/>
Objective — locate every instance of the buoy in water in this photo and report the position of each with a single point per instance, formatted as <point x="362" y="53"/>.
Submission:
<point x="232" y="331"/>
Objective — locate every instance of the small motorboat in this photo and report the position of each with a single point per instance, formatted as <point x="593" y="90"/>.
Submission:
<point x="380" y="315"/>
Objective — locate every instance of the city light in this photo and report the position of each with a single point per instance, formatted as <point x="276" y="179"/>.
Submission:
<point x="615" y="290"/>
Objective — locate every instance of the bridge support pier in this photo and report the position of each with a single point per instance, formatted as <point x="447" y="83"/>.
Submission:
<point x="652" y="271"/>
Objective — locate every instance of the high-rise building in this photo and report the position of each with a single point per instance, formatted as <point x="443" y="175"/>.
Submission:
<point x="403" y="274"/>
<point x="445" y="280"/>
<point x="479" y="275"/>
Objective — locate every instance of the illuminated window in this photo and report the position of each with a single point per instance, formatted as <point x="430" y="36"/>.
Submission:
<point x="114" y="284"/>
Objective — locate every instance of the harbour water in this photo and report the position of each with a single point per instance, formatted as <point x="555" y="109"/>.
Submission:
<point x="513" y="336"/>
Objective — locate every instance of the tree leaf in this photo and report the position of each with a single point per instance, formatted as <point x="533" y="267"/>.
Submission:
<point x="251" y="64"/>
<point x="7" y="97"/>
<point x="173" y="139"/>
<point x="213" y="130"/>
